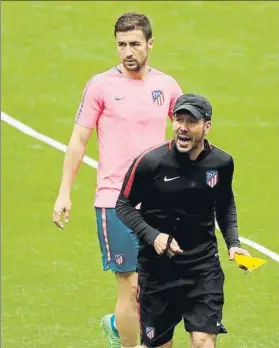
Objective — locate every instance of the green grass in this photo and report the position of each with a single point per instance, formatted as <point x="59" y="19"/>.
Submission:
<point x="53" y="289"/>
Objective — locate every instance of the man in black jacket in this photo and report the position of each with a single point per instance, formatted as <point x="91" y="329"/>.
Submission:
<point x="182" y="186"/>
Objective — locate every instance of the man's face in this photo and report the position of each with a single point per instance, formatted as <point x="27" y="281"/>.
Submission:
<point x="188" y="131"/>
<point x="133" y="49"/>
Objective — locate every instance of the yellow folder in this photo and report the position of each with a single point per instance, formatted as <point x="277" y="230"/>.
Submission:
<point x="249" y="262"/>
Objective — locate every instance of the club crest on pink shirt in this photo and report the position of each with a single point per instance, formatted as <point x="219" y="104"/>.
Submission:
<point x="158" y="97"/>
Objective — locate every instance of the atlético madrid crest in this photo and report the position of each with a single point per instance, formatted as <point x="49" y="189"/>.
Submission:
<point x="119" y="259"/>
<point x="158" y="97"/>
<point x="150" y="332"/>
<point x="211" y="177"/>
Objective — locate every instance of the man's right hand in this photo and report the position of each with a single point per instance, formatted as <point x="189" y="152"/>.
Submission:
<point x="160" y="244"/>
<point x="62" y="208"/>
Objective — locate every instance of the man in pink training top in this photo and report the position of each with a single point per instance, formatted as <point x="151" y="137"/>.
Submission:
<point x="128" y="105"/>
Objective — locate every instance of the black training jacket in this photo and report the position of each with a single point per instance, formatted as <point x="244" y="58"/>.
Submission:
<point x="179" y="197"/>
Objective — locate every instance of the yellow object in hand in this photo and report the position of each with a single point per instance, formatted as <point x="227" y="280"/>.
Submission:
<point x="248" y="262"/>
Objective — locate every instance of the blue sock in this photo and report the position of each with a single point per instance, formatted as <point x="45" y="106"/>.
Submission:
<point x="113" y="325"/>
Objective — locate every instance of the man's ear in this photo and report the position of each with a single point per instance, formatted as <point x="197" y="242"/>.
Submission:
<point x="207" y="127"/>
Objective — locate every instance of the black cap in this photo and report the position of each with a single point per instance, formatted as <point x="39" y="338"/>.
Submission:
<point x="197" y="105"/>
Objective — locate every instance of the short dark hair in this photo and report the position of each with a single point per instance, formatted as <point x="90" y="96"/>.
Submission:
<point x="133" y="21"/>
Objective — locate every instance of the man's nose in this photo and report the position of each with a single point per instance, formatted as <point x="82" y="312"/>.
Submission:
<point x="128" y="51"/>
<point x="184" y="126"/>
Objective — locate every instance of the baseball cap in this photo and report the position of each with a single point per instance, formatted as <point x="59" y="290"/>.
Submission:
<point x="197" y="105"/>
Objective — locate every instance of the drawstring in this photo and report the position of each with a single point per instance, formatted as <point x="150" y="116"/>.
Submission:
<point x="170" y="238"/>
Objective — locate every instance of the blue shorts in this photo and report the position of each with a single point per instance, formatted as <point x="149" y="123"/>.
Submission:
<point x="118" y="244"/>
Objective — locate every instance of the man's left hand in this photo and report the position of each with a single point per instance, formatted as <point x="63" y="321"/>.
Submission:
<point x="239" y="251"/>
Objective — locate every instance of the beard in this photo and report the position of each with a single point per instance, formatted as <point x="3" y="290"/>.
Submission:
<point x="134" y="65"/>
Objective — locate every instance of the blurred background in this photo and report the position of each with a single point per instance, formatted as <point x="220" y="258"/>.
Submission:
<point x="54" y="292"/>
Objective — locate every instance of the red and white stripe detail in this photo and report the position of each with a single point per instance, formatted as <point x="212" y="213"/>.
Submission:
<point x="105" y="231"/>
<point x="213" y="181"/>
<point x="132" y="175"/>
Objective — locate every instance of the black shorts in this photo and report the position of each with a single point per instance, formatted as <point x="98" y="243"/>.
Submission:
<point x="197" y="298"/>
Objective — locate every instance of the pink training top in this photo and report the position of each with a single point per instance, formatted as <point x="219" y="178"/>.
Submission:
<point x="130" y="116"/>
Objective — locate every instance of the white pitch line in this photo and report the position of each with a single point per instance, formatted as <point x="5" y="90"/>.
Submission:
<point x="45" y="139"/>
<point x="260" y="248"/>
<point x="92" y="163"/>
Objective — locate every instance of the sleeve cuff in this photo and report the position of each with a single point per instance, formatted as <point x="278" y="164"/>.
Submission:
<point x="151" y="235"/>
